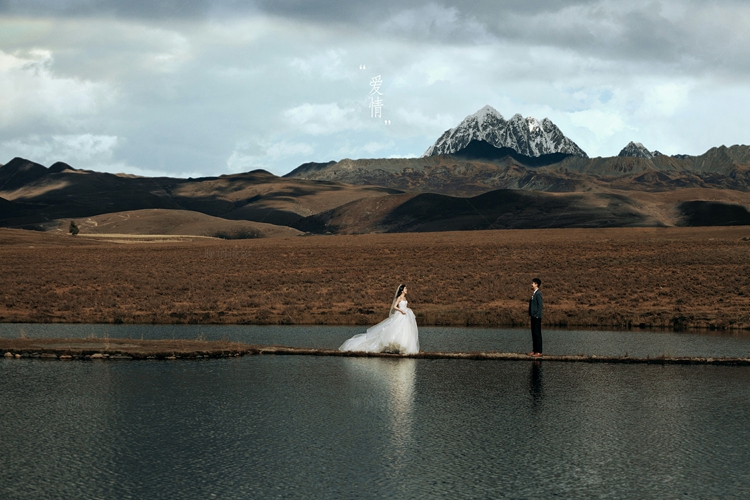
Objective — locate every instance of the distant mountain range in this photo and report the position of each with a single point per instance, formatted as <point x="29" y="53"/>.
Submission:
<point x="480" y="167"/>
<point x="487" y="173"/>
<point x="486" y="152"/>
<point x="445" y="192"/>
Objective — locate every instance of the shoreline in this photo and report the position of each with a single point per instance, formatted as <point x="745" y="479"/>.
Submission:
<point x="133" y="349"/>
<point x="661" y="327"/>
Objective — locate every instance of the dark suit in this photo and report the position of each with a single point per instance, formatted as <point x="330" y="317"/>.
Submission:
<point x="535" y="312"/>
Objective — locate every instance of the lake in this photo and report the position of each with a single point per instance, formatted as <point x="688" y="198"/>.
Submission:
<point x="635" y="343"/>
<point x="336" y="427"/>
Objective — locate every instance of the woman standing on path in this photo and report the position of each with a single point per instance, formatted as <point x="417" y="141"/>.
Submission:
<point x="396" y="334"/>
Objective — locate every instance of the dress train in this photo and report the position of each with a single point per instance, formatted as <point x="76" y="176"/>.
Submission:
<point x="396" y="334"/>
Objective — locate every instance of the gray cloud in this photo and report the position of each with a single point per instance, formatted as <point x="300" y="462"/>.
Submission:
<point x="671" y="36"/>
<point x="163" y="9"/>
<point x="204" y="87"/>
<point x="686" y="35"/>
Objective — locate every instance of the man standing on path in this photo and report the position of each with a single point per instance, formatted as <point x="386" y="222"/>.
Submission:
<point x="535" y="312"/>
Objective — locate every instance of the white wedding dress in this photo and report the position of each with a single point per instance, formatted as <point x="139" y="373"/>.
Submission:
<point x="396" y="334"/>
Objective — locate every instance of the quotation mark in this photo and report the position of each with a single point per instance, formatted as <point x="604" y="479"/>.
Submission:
<point x="387" y="122"/>
<point x="362" y="66"/>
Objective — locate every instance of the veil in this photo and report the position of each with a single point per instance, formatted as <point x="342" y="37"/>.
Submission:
<point x="395" y="298"/>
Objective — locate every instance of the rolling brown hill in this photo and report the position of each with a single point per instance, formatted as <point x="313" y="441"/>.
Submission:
<point x="480" y="187"/>
<point x="37" y="197"/>
<point x="520" y="209"/>
<point x="263" y="197"/>
<point x="18" y="172"/>
<point x="158" y="221"/>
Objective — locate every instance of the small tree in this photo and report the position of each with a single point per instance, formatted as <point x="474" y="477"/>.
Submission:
<point x="73" y="229"/>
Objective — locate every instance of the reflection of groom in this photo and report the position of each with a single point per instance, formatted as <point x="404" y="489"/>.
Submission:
<point x="535" y="312"/>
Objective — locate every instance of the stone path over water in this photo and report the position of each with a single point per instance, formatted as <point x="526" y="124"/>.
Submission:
<point x="133" y="349"/>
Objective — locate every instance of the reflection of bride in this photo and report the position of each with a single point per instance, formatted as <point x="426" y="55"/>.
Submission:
<point x="395" y="334"/>
<point x="385" y="387"/>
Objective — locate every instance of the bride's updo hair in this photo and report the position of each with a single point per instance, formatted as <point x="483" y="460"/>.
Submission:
<point x="399" y="290"/>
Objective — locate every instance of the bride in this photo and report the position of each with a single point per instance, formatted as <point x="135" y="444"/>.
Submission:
<point x="395" y="334"/>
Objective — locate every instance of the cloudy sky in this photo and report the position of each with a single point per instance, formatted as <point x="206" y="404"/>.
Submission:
<point x="209" y="87"/>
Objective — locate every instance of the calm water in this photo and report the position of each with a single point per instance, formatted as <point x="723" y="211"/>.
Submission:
<point x="319" y="427"/>
<point x="636" y="343"/>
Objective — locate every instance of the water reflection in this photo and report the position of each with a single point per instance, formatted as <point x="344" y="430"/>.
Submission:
<point x="536" y="389"/>
<point x="388" y="384"/>
<point x="401" y="408"/>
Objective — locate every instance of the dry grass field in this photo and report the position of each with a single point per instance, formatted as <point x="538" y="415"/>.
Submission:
<point x="630" y="277"/>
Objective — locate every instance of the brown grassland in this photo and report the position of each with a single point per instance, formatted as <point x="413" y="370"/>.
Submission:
<point x="629" y="277"/>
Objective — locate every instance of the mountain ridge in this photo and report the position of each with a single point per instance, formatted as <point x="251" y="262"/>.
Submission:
<point x="479" y="187"/>
<point x="481" y="167"/>
<point x="257" y="196"/>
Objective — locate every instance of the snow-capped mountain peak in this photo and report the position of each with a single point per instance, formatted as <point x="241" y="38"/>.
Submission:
<point x="527" y="136"/>
<point x="482" y="114"/>
<point x="637" y="150"/>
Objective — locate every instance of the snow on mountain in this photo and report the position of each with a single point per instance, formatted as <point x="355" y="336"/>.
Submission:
<point x="637" y="150"/>
<point x="527" y="136"/>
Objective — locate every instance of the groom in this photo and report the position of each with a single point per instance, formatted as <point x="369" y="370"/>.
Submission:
<point x="535" y="312"/>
